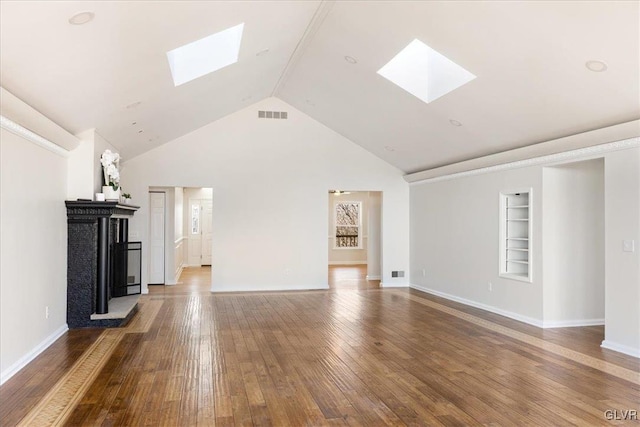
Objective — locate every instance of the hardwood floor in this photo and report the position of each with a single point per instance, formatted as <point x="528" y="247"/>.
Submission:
<point x="338" y="357"/>
<point x="350" y="277"/>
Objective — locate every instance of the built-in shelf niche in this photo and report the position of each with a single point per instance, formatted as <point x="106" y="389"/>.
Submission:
<point x="515" y="235"/>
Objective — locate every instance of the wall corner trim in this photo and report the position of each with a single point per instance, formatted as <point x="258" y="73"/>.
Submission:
<point x="24" y="360"/>
<point x="15" y="128"/>
<point x="620" y="348"/>
<point x="565" y="156"/>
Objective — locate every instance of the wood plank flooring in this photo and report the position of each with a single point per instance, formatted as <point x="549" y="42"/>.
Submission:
<point x="354" y="356"/>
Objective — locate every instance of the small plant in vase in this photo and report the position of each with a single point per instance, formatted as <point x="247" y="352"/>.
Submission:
<point x="110" y="163"/>
<point x="126" y="198"/>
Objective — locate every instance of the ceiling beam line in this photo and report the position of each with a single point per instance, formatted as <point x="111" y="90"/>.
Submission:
<point x="314" y="24"/>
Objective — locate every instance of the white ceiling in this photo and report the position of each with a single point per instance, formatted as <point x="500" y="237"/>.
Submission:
<point x="529" y="58"/>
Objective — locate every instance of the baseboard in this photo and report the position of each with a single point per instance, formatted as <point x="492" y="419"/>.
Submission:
<point x="572" y="323"/>
<point x="348" y="262"/>
<point x="178" y="273"/>
<point x="24" y="360"/>
<point x="394" y="285"/>
<point x="496" y="310"/>
<point x="375" y="277"/>
<point x="257" y="288"/>
<point x="620" y="348"/>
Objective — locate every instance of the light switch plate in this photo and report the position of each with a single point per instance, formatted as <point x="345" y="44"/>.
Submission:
<point x="629" y="245"/>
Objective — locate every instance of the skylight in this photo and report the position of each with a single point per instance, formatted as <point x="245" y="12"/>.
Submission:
<point x="206" y="55"/>
<point x="424" y="73"/>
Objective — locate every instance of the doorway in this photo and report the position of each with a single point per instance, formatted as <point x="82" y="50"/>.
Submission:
<point x="199" y="226"/>
<point x="354" y="240"/>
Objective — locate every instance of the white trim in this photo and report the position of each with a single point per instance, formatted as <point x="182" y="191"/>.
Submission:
<point x="509" y="314"/>
<point x="216" y="288"/>
<point x="572" y="323"/>
<point x="374" y="277"/>
<point x="620" y="348"/>
<point x="551" y="158"/>
<point x="13" y="127"/>
<point x="180" y="239"/>
<point x="24" y="360"/>
<point x="363" y="262"/>
<point x="395" y="285"/>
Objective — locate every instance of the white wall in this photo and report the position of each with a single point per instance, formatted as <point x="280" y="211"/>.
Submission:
<point x="262" y="241"/>
<point x="33" y="251"/>
<point x="84" y="172"/>
<point x="454" y="239"/>
<point x="622" y="269"/>
<point x="349" y="256"/>
<point x="374" y="250"/>
<point x="80" y="169"/>
<point x="573" y="246"/>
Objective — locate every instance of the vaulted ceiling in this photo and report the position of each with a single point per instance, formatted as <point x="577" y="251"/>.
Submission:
<point x="529" y="57"/>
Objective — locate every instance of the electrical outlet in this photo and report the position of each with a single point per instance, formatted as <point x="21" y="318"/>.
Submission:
<point x="424" y="273"/>
<point x="628" y="245"/>
<point x="287" y="272"/>
<point x="490" y="287"/>
<point x="46" y="312"/>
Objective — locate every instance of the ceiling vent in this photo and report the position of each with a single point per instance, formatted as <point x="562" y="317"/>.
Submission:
<point x="272" y="115"/>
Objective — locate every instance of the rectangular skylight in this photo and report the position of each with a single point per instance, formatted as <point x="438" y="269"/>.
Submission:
<point x="206" y="55"/>
<point x="424" y="72"/>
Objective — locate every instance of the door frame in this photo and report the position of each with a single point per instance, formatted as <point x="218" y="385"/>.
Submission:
<point x="164" y="236"/>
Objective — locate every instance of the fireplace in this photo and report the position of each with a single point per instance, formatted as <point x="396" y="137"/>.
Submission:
<point x="102" y="265"/>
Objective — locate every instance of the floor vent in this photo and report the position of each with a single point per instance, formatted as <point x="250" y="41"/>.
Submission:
<point x="272" y="115"/>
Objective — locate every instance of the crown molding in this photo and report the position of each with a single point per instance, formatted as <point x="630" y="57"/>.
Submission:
<point x="13" y="127"/>
<point x="581" y="153"/>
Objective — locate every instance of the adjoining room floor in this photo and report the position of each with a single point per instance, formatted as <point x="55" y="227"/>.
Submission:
<point x="350" y="277"/>
<point x="333" y="357"/>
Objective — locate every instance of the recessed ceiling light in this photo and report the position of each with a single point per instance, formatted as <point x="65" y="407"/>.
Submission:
<point x="262" y="52"/>
<point x="596" y="66"/>
<point x="424" y="72"/>
<point x="81" y="18"/>
<point x="350" y="59"/>
<point x="140" y="131"/>
<point x="388" y="148"/>
<point x="134" y="105"/>
<point x="455" y="122"/>
<point x="134" y="123"/>
<point x="206" y="55"/>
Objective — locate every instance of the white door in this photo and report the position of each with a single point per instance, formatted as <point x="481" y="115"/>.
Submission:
<point x="206" y="216"/>
<point x="156" y="240"/>
<point x="195" y="233"/>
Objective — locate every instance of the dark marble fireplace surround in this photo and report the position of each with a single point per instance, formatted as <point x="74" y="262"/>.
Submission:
<point x="93" y="230"/>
